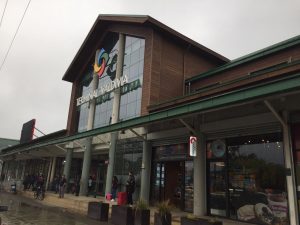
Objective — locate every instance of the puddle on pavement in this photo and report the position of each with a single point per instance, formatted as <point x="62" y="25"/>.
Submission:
<point x="22" y="213"/>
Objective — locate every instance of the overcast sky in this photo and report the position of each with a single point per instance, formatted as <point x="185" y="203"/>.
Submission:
<point x="52" y="32"/>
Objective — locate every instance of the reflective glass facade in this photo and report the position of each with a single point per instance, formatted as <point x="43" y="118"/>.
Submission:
<point x="131" y="92"/>
<point x="86" y="87"/>
<point x="247" y="179"/>
<point x="130" y="105"/>
<point x="128" y="157"/>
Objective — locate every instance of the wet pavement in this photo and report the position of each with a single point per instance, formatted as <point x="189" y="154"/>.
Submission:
<point x="24" y="211"/>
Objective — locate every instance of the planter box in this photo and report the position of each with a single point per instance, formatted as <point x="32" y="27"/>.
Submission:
<point x="98" y="211"/>
<point x="198" y="221"/>
<point x="3" y="208"/>
<point x="122" y="215"/>
<point x="162" y="220"/>
<point x="142" y="217"/>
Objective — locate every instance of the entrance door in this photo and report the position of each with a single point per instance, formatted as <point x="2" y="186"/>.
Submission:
<point x="101" y="178"/>
<point x="217" y="197"/>
<point x="169" y="182"/>
<point x="174" y="183"/>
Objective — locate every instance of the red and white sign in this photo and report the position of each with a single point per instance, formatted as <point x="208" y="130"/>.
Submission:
<point x="193" y="146"/>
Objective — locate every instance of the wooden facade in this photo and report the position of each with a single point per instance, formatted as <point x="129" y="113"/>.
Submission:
<point x="254" y="69"/>
<point x="169" y="59"/>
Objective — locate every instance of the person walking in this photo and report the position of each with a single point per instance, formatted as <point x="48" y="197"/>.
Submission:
<point x="62" y="186"/>
<point x="114" y="188"/>
<point x="130" y="187"/>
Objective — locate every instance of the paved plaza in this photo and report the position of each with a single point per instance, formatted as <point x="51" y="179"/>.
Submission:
<point x="72" y="210"/>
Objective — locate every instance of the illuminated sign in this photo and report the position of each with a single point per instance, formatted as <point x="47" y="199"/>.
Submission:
<point x="193" y="146"/>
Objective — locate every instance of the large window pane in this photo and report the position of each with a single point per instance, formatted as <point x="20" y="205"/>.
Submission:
<point x="257" y="180"/>
<point x="133" y="68"/>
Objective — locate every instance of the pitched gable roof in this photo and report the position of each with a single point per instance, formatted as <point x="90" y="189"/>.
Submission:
<point x="105" y="20"/>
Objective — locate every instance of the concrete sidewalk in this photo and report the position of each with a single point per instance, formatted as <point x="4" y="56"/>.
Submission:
<point x="79" y="205"/>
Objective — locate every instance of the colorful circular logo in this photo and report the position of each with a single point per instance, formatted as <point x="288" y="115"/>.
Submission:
<point x="101" y="62"/>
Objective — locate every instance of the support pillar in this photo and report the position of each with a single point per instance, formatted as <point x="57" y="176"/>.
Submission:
<point x="87" y="157"/>
<point x="49" y="173"/>
<point x="23" y="170"/>
<point x="200" y="177"/>
<point x="115" y="115"/>
<point x="146" y="171"/>
<point x="53" y="169"/>
<point x="111" y="161"/>
<point x="68" y="163"/>
<point x="289" y="163"/>
<point x="290" y="177"/>
<point x="86" y="166"/>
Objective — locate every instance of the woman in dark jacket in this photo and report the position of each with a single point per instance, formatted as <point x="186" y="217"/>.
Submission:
<point x="114" y="187"/>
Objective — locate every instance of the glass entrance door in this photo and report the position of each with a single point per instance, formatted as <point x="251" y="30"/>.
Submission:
<point x="217" y="197"/>
<point x="101" y="178"/>
<point x="173" y="180"/>
<point x="159" y="182"/>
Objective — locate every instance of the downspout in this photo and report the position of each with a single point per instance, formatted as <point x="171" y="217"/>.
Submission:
<point x="184" y="57"/>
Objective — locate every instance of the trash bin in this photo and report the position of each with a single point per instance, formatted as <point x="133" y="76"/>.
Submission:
<point x="122" y="198"/>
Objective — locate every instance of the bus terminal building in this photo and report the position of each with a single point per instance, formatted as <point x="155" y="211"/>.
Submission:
<point x="141" y="91"/>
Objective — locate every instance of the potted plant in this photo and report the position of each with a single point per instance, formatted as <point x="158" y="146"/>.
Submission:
<point x="191" y="219"/>
<point x="122" y="215"/>
<point x="163" y="215"/>
<point x="142" y="213"/>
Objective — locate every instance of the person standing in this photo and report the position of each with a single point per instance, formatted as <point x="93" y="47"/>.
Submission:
<point x="114" y="188"/>
<point x="62" y="186"/>
<point x="77" y="186"/>
<point x="26" y="182"/>
<point x="90" y="185"/>
<point x="130" y="187"/>
<point x="56" y="184"/>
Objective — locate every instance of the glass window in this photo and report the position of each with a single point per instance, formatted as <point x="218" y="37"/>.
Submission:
<point x="135" y="57"/>
<point x="131" y="94"/>
<point x="189" y="186"/>
<point x="129" y="157"/>
<point x="257" y="178"/>
<point x="133" y="68"/>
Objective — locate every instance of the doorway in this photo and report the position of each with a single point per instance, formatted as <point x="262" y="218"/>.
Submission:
<point x="101" y="178"/>
<point x="217" y="198"/>
<point x="169" y="183"/>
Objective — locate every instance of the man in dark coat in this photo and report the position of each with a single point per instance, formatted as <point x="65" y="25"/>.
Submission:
<point x="130" y="187"/>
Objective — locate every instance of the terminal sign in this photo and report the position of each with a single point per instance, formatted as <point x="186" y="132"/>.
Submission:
<point x="193" y="146"/>
<point x="117" y="83"/>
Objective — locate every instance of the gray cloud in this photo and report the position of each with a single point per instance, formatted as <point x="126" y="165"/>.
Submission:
<point x="53" y="31"/>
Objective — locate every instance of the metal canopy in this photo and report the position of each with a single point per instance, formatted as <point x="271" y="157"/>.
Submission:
<point x="250" y="99"/>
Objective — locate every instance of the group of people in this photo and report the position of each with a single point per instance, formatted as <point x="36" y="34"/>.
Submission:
<point x="32" y="181"/>
<point x="36" y="182"/>
<point x="130" y="188"/>
<point x="60" y="183"/>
